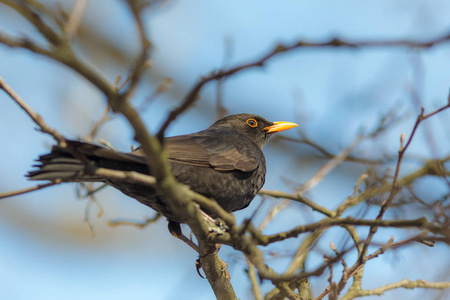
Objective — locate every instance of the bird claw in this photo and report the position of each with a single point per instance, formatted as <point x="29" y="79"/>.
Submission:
<point x="221" y="224"/>
<point x="198" y="266"/>
<point x="175" y="230"/>
<point x="224" y="269"/>
<point x="217" y="230"/>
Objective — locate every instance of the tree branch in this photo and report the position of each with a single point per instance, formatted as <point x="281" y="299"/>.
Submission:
<point x="36" y="117"/>
<point x="405" y="283"/>
<point x="278" y="49"/>
<point x="27" y="190"/>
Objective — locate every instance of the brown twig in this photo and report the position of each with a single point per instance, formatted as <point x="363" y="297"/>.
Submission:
<point x="36" y="117"/>
<point x="140" y="63"/>
<point x="326" y="154"/>
<point x="27" y="190"/>
<point x="161" y="88"/>
<point x="395" y="186"/>
<point x="272" y="213"/>
<point x="298" y="198"/>
<point x="278" y="49"/>
<point x="140" y="225"/>
<point x="35" y="19"/>
<point x="405" y="283"/>
<point x="300" y="256"/>
<point x="75" y="17"/>
<point x="254" y="281"/>
<point x="330" y="222"/>
<point x="173" y="193"/>
<point x="126" y="176"/>
<point x="91" y="199"/>
<point x="328" y="167"/>
<point x="104" y="118"/>
<point x="178" y="197"/>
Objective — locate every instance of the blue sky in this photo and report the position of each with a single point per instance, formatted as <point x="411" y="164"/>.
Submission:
<point x="47" y="250"/>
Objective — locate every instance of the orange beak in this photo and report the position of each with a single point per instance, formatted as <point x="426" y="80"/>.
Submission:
<point x="280" y="126"/>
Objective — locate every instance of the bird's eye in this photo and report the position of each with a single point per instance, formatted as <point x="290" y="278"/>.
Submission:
<point x="252" y="123"/>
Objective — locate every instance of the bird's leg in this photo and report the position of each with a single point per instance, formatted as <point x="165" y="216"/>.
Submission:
<point x="175" y="230"/>
<point x="224" y="269"/>
<point x="208" y="218"/>
<point x="216" y="226"/>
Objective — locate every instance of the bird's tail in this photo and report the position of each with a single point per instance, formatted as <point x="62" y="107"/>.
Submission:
<point x="60" y="165"/>
<point x="78" y="162"/>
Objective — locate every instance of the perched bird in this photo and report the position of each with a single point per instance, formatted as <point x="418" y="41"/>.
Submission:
<point x="224" y="162"/>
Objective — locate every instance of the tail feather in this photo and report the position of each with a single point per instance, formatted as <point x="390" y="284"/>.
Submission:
<point x="61" y="165"/>
<point x="58" y="166"/>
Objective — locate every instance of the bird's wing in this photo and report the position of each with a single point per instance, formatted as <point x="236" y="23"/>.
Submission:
<point x="221" y="151"/>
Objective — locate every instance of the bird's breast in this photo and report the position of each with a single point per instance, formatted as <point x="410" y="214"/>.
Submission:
<point x="233" y="190"/>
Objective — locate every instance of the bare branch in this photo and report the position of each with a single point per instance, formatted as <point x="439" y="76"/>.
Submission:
<point x="36" y="117"/>
<point x="254" y="281"/>
<point x="329" y="222"/>
<point x="405" y="283"/>
<point x="140" y="64"/>
<point x="140" y="225"/>
<point x="75" y="17"/>
<point x="395" y="185"/>
<point x="131" y="176"/>
<point x="104" y="118"/>
<point x="278" y="49"/>
<point x="27" y="190"/>
<point x="35" y="19"/>
<point x="328" y="167"/>
<point x="298" y="198"/>
<point x="181" y="201"/>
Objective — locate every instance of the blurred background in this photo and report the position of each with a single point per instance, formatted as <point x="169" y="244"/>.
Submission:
<point x="47" y="249"/>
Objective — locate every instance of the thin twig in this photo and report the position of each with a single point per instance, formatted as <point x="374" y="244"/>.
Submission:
<point x="254" y="281"/>
<point x="191" y="97"/>
<point x="27" y="190"/>
<point x="104" y="118"/>
<point x="140" y="225"/>
<point x="330" y="222"/>
<point x="75" y="17"/>
<point x="35" y="19"/>
<point x="298" y="198"/>
<point x="405" y="283"/>
<point x="272" y="213"/>
<point x="395" y="186"/>
<point x="36" y="117"/>
<point x="141" y="62"/>
<point x="127" y="176"/>
<point x="328" y="167"/>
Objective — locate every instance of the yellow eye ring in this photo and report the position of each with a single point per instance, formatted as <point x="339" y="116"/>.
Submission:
<point x="252" y="123"/>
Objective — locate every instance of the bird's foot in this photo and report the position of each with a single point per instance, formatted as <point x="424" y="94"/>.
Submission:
<point x="208" y="218"/>
<point x="223" y="268"/>
<point x="198" y="266"/>
<point x="175" y="230"/>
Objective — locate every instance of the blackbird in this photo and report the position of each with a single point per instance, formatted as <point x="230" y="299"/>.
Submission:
<point x="224" y="162"/>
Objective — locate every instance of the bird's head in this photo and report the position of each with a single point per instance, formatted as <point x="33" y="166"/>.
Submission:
<point x="254" y="127"/>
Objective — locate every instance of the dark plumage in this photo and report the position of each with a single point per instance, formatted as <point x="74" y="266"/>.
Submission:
<point x="223" y="162"/>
